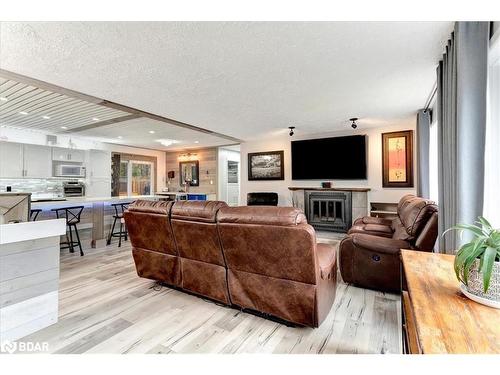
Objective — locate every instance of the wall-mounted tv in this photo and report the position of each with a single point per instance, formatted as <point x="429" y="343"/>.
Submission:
<point x="338" y="158"/>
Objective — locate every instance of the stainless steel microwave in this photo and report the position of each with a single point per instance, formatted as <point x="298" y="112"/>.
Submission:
<point x="67" y="170"/>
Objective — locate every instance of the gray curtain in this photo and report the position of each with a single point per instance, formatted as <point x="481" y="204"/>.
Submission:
<point x="461" y="105"/>
<point x="423" y="136"/>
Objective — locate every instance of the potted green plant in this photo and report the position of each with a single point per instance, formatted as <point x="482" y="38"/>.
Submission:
<point x="477" y="263"/>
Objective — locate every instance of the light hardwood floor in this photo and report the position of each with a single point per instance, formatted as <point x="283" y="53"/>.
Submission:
<point x="104" y="307"/>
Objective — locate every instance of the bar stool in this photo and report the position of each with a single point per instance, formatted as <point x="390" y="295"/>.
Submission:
<point x="34" y="213"/>
<point x="122" y="233"/>
<point x="72" y="216"/>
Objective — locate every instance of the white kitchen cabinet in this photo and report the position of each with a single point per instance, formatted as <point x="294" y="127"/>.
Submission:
<point x="99" y="165"/>
<point x="77" y="156"/>
<point x="37" y="161"/>
<point x="11" y="160"/>
<point x="98" y="187"/>
<point x="68" y="154"/>
<point x="98" y="174"/>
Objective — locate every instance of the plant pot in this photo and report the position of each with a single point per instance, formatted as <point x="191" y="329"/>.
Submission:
<point x="475" y="290"/>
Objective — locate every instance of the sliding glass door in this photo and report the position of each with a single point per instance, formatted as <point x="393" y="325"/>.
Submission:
<point x="123" y="186"/>
<point x="136" y="178"/>
<point x="141" y="178"/>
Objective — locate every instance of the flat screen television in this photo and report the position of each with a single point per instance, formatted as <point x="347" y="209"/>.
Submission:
<point x="338" y="158"/>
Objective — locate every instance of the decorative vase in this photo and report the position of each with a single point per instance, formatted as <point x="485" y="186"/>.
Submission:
<point x="475" y="289"/>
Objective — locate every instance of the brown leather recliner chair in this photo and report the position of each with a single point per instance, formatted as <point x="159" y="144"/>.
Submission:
<point x="369" y="255"/>
<point x="275" y="265"/>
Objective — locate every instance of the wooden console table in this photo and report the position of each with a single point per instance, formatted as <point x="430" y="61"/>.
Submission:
<point x="437" y="317"/>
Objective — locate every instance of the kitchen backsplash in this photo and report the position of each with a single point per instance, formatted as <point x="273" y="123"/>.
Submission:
<point x="37" y="187"/>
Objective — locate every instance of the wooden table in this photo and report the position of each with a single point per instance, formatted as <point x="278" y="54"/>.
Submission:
<point x="437" y="317"/>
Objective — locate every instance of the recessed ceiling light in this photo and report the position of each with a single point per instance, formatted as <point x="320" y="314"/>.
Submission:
<point x="151" y="132"/>
<point x="23" y="113"/>
<point x="64" y="127"/>
<point x="3" y="98"/>
<point x="95" y="119"/>
<point x="167" y="142"/>
<point x="119" y="137"/>
<point x="46" y="117"/>
<point x="196" y="141"/>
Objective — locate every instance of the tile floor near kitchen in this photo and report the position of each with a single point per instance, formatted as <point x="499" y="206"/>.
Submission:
<point x="104" y="307"/>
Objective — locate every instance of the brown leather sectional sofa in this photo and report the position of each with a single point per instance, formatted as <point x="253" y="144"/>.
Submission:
<point x="370" y="255"/>
<point x="264" y="259"/>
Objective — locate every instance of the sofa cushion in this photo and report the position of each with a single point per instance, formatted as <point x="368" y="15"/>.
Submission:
<point x="378" y="228"/>
<point x="201" y="211"/>
<point x="263" y="215"/>
<point x="399" y="232"/>
<point x="404" y="201"/>
<point x="375" y="230"/>
<point x="376" y="220"/>
<point x="415" y="214"/>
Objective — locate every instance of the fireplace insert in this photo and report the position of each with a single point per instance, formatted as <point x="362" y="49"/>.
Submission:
<point x="329" y="210"/>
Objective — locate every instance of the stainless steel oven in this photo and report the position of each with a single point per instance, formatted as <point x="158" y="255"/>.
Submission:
<point x="74" y="189"/>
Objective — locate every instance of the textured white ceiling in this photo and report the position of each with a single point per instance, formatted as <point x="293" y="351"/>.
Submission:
<point x="244" y="79"/>
<point x="137" y="133"/>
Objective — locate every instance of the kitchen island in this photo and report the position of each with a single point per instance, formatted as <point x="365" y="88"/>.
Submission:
<point x="96" y="217"/>
<point x="29" y="277"/>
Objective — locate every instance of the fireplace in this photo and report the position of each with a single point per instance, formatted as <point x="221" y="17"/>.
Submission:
<point x="329" y="210"/>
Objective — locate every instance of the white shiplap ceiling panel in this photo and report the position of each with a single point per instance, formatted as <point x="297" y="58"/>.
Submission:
<point x="23" y="105"/>
<point x="28" y="107"/>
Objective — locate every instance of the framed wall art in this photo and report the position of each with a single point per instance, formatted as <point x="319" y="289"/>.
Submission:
<point x="267" y="165"/>
<point x="397" y="159"/>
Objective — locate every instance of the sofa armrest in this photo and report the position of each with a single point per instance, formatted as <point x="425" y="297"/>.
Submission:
<point x="377" y="220"/>
<point x="379" y="244"/>
<point x="327" y="260"/>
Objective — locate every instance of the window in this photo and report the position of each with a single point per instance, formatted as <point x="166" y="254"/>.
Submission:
<point x="492" y="149"/>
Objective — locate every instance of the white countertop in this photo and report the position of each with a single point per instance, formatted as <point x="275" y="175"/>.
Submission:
<point x="180" y="193"/>
<point x="75" y="201"/>
<point x="31" y="230"/>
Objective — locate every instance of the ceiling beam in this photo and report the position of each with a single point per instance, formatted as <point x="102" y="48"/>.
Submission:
<point x="167" y="120"/>
<point x="106" y="103"/>
<point x="102" y="123"/>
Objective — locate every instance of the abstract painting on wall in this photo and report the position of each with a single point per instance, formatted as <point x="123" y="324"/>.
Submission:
<point x="397" y="159"/>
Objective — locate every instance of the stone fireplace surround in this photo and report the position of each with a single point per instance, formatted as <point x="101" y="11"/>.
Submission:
<point x="355" y="200"/>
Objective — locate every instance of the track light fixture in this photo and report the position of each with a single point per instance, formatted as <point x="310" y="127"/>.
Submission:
<point x="291" y="130"/>
<point x="353" y="120"/>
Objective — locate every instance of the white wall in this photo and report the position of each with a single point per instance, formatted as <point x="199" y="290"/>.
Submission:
<point x="496" y="27"/>
<point x="39" y="138"/>
<point x="283" y="142"/>
<point x="226" y="192"/>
